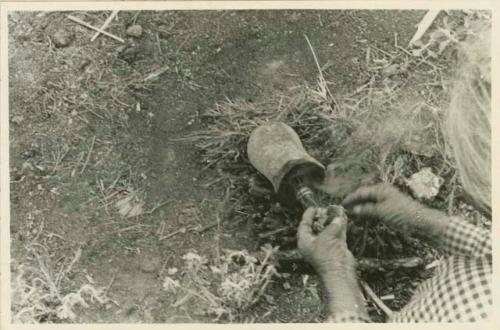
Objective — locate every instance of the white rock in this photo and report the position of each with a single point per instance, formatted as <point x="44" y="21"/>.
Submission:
<point x="134" y="31"/>
<point x="425" y="184"/>
<point x="62" y="38"/>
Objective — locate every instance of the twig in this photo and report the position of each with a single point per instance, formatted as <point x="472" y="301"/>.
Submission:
<point x="88" y="155"/>
<point x="178" y="231"/>
<point x="111" y="282"/>
<point x="54" y="289"/>
<point x="158" y="43"/>
<point x="207" y="227"/>
<point x="363" y="264"/>
<point x="105" y="25"/>
<point x="75" y="259"/>
<point x="134" y="19"/>
<point x="373" y="264"/>
<point x="363" y="239"/>
<point x="388" y="297"/>
<point x="59" y="160"/>
<point x="158" y="206"/>
<point x="156" y="73"/>
<point x="39" y="231"/>
<point x="424" y="25"/>
<point x="182" y="45"/>
<point x="273" y="232"/>
<point x="376" y="300"/>
<point x="79" y="21"/>
<point x="451" y="196"/>
<point x="321" y="77"/>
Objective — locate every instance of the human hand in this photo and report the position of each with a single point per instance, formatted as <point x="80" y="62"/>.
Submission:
<point x="327" y="251"/>
<point x="385" y="203"/>
<point x="343" y="178"/>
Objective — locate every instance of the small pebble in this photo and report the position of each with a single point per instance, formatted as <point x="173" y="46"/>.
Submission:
<point x="149" y="265"/>
<point x="62" y="38"/>
<point x="134" y="31"/>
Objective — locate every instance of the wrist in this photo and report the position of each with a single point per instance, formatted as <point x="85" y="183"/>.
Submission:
<point x="429" y="223"/>
<point x="343" y="291"/>
<point x="338" y="262"/>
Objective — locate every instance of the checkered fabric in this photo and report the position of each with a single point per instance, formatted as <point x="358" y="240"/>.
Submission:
<point x="463" y="238"/>
<point x="460" y="289"/>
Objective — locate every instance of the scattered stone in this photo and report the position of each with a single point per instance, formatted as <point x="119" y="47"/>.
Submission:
<point x="425" y="184"/>
<point x="149" y="265"/>
<point x="62" y="38"/>
<point x="134" y="31"/>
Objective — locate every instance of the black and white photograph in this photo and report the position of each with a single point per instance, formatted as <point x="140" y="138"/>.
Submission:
<point x="249" y="165"/>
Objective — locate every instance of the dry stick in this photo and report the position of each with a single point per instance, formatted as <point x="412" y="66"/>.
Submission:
<point x="68" y="269"/>
<point x="79" y="21"/>
<point x="179" y="231"/>
<point x="273" y="232"/>
<point x="59" y="160"/>
<point x="362" y="264"/>
<point x="156" y="73"/>
<point x="451" y="196"/>
<point x="88" y="155"/>
<point x="322" y="78"/>
<point x="158" y="206"/>
<point x="111" y="281"/>
<point x="182" y="45"/>
<point x="105" y="25"/>
<point x="50" y="283"/>
<point x="364" y="239"/>
<point x="376" y="300"/>
<point x="424" y="25"/>
<point x="158" y="43"/>
<point x="422" y="60"/>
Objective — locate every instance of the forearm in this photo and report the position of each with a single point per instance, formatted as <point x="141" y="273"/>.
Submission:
<point x="427" y="224"/>
<point x="344" y="293"/>
<point x="451" y="235"/>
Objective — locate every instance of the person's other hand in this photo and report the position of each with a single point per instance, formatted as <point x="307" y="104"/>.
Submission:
<point x="385" y="203"/>
<point x="327" y="251"/>
<point x="343" y="178"/>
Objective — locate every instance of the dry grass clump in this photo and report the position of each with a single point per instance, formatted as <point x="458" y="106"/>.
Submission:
<point x="40" y="294"/>
<point x="223" y="143"/>
<point x="391" y="123"/>
<point x="398" y="110"/>
<point x="224" y="287"/>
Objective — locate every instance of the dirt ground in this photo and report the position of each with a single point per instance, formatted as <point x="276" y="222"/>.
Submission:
<point x="94" y="137"/>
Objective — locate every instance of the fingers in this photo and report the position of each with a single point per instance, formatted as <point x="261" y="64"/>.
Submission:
<point x="369" y="194"/>
<point x="366" y="211"/>
<point x="305" y="231"/>
<point x="336" y="229"/>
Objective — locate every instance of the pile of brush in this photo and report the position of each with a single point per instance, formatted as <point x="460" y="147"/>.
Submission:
<point x="386" y="129"/>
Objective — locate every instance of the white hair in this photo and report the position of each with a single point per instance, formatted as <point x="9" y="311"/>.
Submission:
<point x="467" y="124"/>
